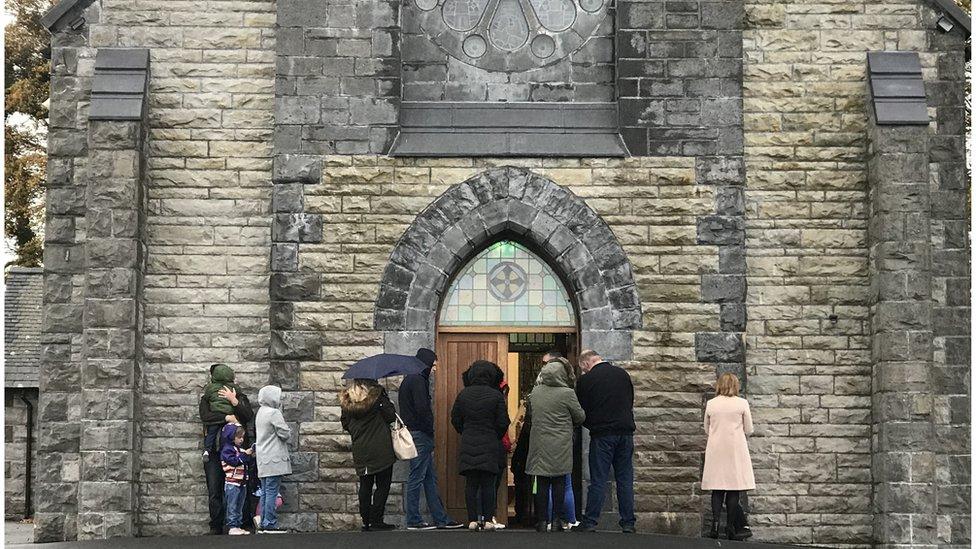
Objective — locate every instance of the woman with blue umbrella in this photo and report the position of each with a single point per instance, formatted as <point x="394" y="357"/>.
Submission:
<point x="367" y="413"/>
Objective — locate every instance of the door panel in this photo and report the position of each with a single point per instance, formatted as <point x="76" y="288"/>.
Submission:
<point x="456" y="352"/>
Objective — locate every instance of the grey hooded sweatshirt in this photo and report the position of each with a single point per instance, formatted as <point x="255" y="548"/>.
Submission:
<point x="272" y="434"/>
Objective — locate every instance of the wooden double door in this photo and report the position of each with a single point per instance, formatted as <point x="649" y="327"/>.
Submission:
<point x="455" y="353"/>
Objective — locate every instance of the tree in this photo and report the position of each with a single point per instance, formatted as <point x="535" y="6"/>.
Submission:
<point x="27" y="64"/>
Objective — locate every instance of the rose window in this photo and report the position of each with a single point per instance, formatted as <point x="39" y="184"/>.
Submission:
<point x="510" y="35"/>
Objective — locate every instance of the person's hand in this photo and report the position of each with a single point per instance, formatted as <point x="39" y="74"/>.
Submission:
<point x="228" y="393"/>
<point x="231" y="418"/>
<point x="249" y="451"/>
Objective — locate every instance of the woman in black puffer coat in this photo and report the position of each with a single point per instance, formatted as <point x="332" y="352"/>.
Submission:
<point x="480" y="415"/>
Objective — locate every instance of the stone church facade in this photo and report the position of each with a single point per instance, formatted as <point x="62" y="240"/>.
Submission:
<point x="722" y="186"/>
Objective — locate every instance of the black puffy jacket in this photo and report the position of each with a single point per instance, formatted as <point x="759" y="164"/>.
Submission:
<point x="481" y="416"/>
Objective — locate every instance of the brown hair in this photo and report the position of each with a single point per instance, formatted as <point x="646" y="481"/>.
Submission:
<point x="727" y="385"/>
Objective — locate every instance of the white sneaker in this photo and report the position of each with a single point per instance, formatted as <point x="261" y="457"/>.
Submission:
<point x="497" y="525"/>
<point x="473" y="525"/>
<point x="490" y="526"/>
<point x="237" y="532"/>
<point x="572" y="525"/>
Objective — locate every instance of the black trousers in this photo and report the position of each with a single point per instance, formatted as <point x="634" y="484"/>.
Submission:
<point x="731" y="500"/>
<point x="479" y="495"/>
<point x="215" y="492"/>
<point x="372" y="504"/>
<point x="542" y="487"/>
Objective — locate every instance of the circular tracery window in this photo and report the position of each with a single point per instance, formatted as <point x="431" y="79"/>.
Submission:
<point x="510" y="35"/>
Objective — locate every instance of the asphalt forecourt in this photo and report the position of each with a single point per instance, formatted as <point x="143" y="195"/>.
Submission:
<point x="402" y="539"/>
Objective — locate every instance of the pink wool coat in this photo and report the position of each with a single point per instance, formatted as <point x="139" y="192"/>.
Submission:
<point x="727" y="462"/>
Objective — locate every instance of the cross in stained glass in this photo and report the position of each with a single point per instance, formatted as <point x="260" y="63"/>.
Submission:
<point x="508" y="281"/>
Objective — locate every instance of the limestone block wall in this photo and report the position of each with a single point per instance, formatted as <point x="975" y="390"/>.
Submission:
<point x="653" y="207"/>
<point x="808" y="344"/>
<point x="208" y="227"/>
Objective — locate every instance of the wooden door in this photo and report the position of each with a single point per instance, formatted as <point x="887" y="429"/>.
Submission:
<point x="455" y="353"/>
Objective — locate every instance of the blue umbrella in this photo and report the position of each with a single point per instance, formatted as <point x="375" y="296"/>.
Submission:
<point x="384" y="365"/>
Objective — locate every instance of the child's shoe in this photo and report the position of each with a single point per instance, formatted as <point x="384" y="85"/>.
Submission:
<point x="206" y="456"/>
<point x="237" y="532"/>
<point x="257" y="522"/>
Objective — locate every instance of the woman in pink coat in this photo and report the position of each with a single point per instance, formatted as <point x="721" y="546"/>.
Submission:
<point x="728" y="467"/>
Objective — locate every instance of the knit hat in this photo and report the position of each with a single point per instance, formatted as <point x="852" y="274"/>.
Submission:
<point x="426" y="356"/>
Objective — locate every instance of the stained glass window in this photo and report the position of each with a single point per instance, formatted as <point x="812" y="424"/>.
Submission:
<point x="507" y="285"/>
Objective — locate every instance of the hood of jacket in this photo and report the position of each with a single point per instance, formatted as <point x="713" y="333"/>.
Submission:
<point x="553" y="374"/>
<point x="227" y="434"/>
<point x="482" y="373"/>
<point x="270" y="396"/>
<point x="358" y="403"/>
<point x="222" y="373"/>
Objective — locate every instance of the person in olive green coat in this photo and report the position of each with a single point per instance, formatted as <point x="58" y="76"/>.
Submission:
<point x="555" y="410"/>
<point x="366" y="413"/>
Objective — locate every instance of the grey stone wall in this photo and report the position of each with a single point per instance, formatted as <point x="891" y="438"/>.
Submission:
<point x="337" y="77"/>
<point x="903" y="438"/>
<point x="60" y="401"/>
<point x="15" y="457"/>
<point x="951" y="276"/>
<point x="679" y="76"/>
<point x="113" y="317"/>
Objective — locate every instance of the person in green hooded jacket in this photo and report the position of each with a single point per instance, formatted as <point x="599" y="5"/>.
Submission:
<point x="222" y="376"/>
<point x="555" y="410"/>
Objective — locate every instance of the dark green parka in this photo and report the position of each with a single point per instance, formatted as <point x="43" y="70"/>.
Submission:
<point x="555" y="410"/>
<point x="368" y="418"/>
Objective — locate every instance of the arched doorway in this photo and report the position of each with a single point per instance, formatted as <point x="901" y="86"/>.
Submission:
<point x="506" y="305"/>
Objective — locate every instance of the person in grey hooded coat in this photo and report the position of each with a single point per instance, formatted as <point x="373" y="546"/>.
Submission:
<point x="273" y="460"/>
<point x="555" y="410"/>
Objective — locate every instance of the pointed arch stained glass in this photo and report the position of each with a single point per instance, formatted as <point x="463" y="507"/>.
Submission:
<point x="507" y="285"/>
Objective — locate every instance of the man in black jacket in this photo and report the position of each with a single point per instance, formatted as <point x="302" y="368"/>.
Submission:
<point x="212" y="469"/>
<point x="606" y="394"/>
<point x="417" y="415"/>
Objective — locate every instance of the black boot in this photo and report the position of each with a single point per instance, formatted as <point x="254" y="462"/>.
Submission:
<point x="713" y="533"/>
<point x="735" y="536"/>
<point x="541" y="527"/>
<point x="557" y="526"/>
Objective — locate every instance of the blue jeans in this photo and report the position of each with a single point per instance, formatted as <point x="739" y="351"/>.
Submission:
<point x="569" y="502"/>
<point x="234" y="504"/>
<point x="423" y="475"/>
<point x="269" y="493"/>
<point x="606" y="451"/>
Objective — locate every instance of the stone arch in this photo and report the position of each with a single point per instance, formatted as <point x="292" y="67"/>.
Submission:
<point x="533" y="210"/>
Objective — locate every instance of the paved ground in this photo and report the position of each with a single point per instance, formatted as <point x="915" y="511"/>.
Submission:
<point x="17" y="532"/>
<point x="415" y="540"/>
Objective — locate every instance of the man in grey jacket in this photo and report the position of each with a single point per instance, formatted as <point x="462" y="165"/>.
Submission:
<point x="272" y="454"/>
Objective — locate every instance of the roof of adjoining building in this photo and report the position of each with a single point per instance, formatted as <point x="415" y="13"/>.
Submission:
<point x="22" y="326"/>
